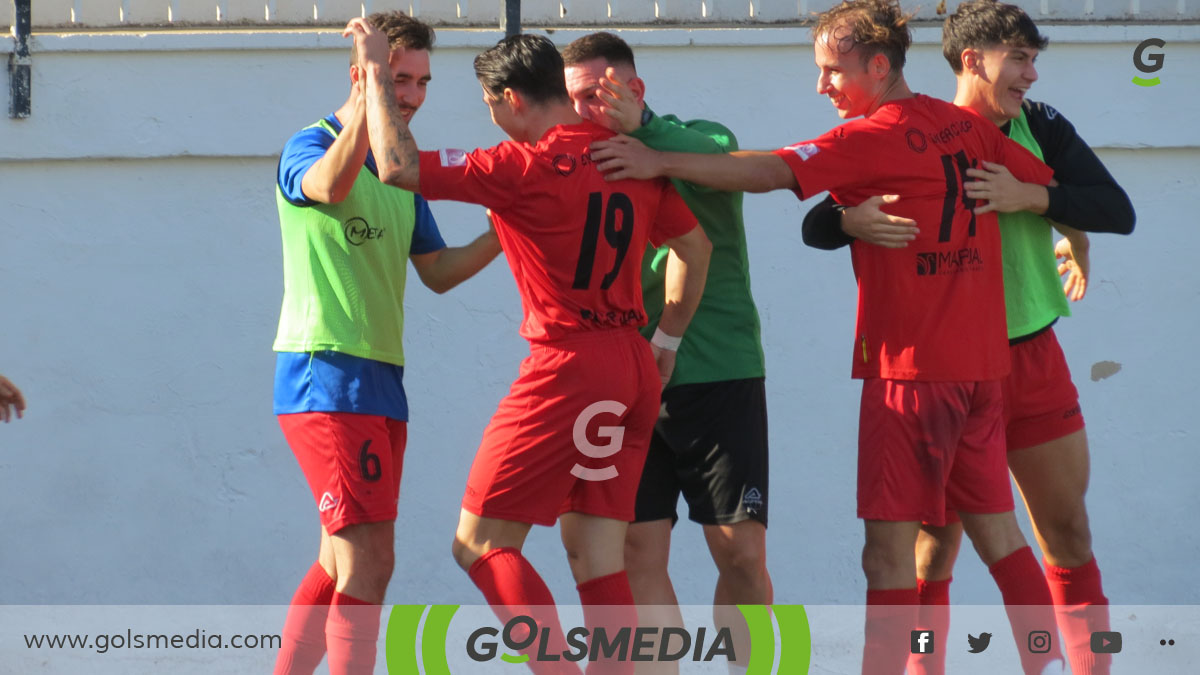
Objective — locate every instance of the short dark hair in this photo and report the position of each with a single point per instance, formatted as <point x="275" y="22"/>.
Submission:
<point x="877" y="26"/>
<point x="529" y="64"/>
<point x="984" y="23"/>
<point x="402" y="31"/>
<point x="601" y="45"/>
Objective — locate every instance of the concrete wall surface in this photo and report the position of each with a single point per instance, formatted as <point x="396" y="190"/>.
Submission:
<point x="545" y="13"/>
<point x="140" y="288"/>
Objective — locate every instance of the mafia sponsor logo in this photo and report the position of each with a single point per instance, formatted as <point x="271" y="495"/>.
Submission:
<point x="933" y="263"/>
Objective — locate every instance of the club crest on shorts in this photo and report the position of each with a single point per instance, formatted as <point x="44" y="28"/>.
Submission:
<point x="328" y="501"/>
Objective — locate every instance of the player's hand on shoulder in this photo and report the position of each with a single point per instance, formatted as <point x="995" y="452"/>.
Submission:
<point x="622" y="157"/>
<point x="868" y="222"/>
<point x="996" y="185"/>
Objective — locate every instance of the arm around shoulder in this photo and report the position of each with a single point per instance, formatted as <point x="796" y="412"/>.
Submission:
<point x="1087" y="196"/>
<point x="741" y="171"/>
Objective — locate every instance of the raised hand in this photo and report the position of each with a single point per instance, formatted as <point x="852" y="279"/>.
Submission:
<point x="621" y="103"/>
<point x="370" y="42"/>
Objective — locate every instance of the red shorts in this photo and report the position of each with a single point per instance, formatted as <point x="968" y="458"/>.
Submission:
<point x="924" y="447"/>
<point x="1041" y="403"/>
<point x="352" y="463"/>
<point x="572" y="433"/>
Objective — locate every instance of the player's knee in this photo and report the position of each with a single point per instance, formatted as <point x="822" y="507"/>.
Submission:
<point x="1069" y="536"/>
<point x="997" y="539"/>
<point x="645" y="557"/>
<point x="749" y="563"/>
<point x="936" y="555"/>
<point x="883" y="562"/>
<point x="375" y="563"/>
<point x="463" y="553"/>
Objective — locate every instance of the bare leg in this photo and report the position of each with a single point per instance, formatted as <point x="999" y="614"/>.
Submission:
<point x="647" y="551"/>
<point x="740" y="552"/>
<point x="1053" y="479"/>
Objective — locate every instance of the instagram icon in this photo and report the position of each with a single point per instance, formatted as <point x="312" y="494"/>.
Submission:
<point x="1039" y="642"/>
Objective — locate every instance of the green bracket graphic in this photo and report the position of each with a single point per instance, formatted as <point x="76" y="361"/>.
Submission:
<point x="433" y="639"/>
<point x="1154" y="81"/>
<point x="402" y="639"/>
<point x="762" y="639"/>
<point x="401" y="645"/>
<point x="795" y="639"/>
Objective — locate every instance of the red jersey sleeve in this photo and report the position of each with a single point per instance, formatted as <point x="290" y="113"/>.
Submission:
<point x="674" y="218"/>
<point x="487" y="176"/>
<point x="836" y="159"/>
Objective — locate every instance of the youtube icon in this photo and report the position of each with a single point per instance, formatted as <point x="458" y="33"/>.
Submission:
<point x="1106" y="642"/>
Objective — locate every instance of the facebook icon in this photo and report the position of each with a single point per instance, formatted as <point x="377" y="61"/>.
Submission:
<point x="921" y="642"/>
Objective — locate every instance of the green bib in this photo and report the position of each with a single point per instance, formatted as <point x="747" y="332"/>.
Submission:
<point x="344" y="270"/>
<point x="1033" y="292"/>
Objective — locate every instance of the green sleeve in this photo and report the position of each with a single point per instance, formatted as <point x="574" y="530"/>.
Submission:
<point x="671" y="134"/>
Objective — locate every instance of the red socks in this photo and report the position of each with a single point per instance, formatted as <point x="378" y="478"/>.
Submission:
<point x="891" y="615"/>
<point x="1082" y="608"/>
<point x="351" y="635"/>
<point x="608" y="602"/>
<point x="513" y="588"/>
<point x="934" y="615"/>
<point x="1028" y="604"/>
<point x="303" y="638"/>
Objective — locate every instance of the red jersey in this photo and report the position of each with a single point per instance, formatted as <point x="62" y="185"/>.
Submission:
<point x="934" y="310"/>
<point x="573" y="240"/>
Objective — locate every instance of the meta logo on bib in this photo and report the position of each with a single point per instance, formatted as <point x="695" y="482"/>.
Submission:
<point x="615" y="436"/>
<point x="1148" y="62"/>
<point x="358" y="231"/>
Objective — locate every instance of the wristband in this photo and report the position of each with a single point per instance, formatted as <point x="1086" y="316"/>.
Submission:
<point x="664" y="341"/>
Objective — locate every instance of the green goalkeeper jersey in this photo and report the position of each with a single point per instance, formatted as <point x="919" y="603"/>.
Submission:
<point x="723" y="341"/>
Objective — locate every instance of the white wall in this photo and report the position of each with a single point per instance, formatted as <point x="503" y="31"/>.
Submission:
<point x="140" y="285"/>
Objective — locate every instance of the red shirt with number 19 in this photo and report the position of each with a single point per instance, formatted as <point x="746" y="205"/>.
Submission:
<point x="573" y="240"/>
<point x="933" y="310"/>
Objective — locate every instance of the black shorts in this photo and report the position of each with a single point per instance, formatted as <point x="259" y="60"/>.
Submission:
<point x="710" y="443"/>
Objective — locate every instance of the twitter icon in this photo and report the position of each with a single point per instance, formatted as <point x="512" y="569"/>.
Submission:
<point x="978" y="644"/>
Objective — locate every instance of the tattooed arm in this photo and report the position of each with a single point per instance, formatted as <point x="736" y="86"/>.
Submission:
<point x="392" y="143"/>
